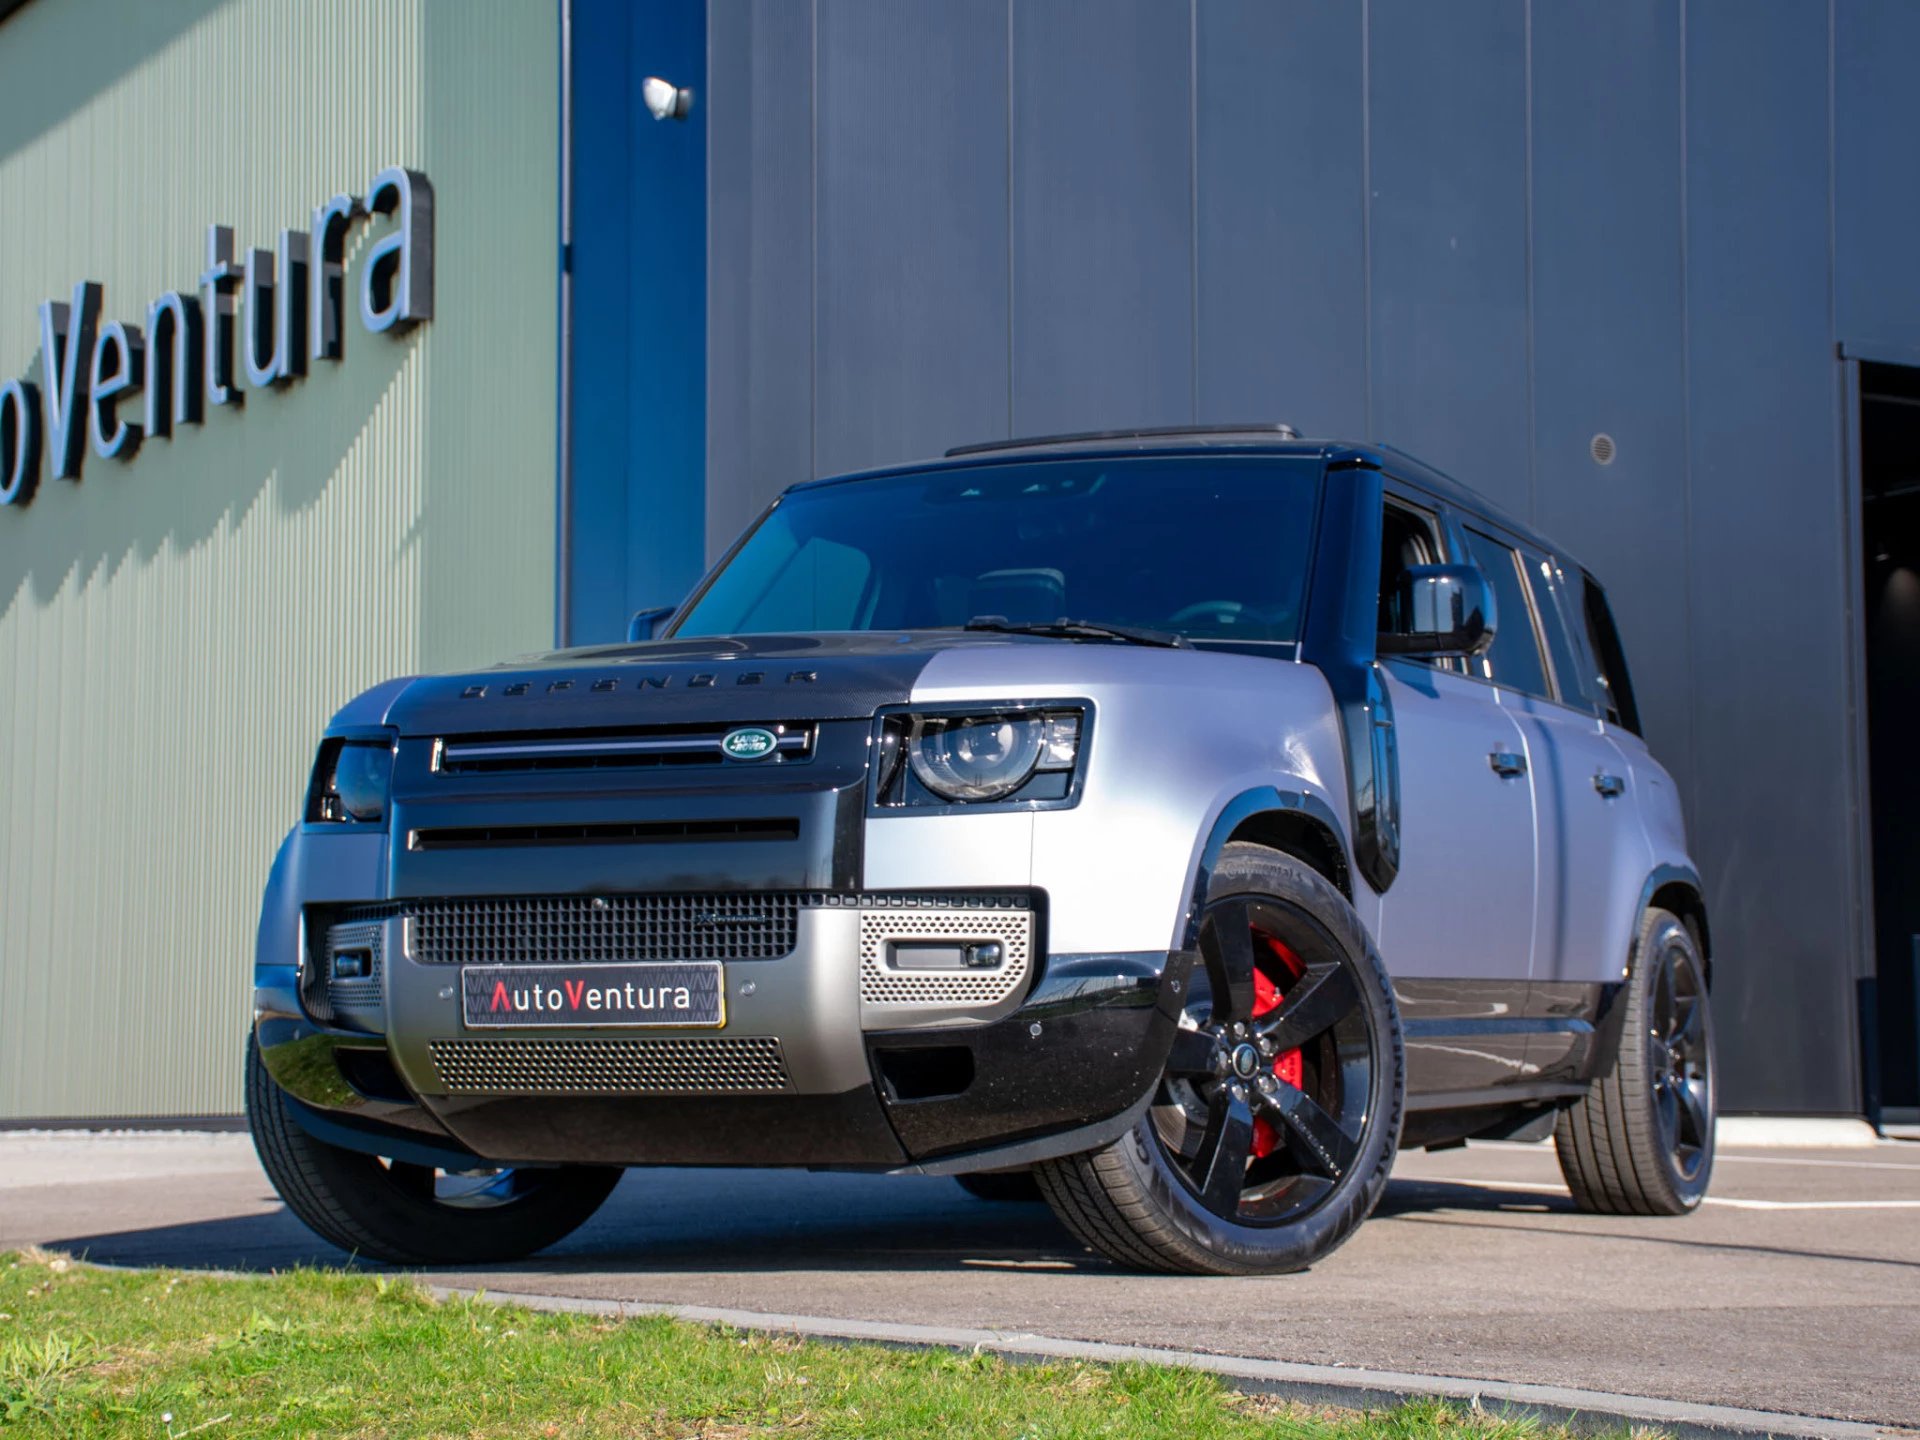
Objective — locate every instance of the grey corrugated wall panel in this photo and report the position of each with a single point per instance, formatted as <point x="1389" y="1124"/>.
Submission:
<point x="761" y="257"/>
<point x="1181" y="250"/>
<point x="174" y="632"/>
<point x="912" y="354"/>
<point x="1102" y="214"/>
<point x="1279" y="145"/>
<point x="1609" y="327"/>
<point x="1876" y="172"/>
<point x="1449" y="238"/>
<point x="1769" y="774"/>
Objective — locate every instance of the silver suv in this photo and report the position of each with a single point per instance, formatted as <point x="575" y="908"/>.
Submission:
<point x="1167" y="824"/>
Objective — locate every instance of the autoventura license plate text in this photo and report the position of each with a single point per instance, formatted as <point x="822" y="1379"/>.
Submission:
<point x="505" y="996"/>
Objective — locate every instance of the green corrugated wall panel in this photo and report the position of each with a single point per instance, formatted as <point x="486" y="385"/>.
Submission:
<point x="175" y="631"/>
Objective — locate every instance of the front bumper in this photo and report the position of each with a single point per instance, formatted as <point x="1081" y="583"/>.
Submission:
<point x="828" y="1058"/>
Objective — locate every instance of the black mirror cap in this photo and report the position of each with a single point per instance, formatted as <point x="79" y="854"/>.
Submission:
<point x="1449" y="609"/>
<point x="645" y="624"/>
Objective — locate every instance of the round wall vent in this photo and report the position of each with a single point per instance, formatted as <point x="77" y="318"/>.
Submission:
<point x="1603" y="449"/>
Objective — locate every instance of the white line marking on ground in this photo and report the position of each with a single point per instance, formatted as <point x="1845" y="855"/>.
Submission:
<point x="1829" y="1164"/>
<point x="1729" y="1201"/>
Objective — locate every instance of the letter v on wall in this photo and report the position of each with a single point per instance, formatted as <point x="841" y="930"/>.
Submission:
<point x="66" y="350"/>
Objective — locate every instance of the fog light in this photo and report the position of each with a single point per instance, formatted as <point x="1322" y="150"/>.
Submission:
<point x="987" y="955"/>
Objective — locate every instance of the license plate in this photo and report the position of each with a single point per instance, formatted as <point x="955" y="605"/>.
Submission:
<point x="511" y="997"/>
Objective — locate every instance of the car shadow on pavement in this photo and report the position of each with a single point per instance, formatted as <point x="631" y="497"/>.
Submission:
<point x="716" y="1221"/>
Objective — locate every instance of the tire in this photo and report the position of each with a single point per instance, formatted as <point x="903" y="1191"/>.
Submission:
<point x="408" y="1214"/>
<point x="1640" y="1141"/>
<point x="1276" y="1121"/>
<point x="1002" y="1186"/>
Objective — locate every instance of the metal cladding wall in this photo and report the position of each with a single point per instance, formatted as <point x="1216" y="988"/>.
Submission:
<point x="175" y="631"/>
<point x="1484" y="231"/>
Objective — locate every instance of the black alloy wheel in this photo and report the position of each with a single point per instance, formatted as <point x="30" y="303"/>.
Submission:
<point x="1276" y="1121"/>
<point x="407" y="1214"/>
<point x="1681" y="1061"/>
<point x="1640" y="1141"/>
<point x="1269" y="1081"/>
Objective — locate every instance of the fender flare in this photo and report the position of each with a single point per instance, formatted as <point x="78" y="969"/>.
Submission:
<point x="1663" y="880"/>
<point x="1261" y="800"/>
<point x="1684" y="881"/>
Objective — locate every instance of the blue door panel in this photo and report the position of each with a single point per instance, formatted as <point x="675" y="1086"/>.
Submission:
<point x="639" y="329"/>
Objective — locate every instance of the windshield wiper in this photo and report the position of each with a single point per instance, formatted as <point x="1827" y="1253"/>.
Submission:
<point x="1066" y="629"/>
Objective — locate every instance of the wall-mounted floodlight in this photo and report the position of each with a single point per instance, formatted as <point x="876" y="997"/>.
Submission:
<point x="666" y="100"/>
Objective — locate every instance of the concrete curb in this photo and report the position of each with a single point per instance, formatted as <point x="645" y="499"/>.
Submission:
<point x="1802" y="1131"/>
<point x="1583" y="1410"/>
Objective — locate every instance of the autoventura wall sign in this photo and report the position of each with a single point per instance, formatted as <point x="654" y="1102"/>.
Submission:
<point x="278" y="309"/>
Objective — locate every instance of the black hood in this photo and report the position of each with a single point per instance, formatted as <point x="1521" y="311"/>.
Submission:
<point x="749" y="679"/>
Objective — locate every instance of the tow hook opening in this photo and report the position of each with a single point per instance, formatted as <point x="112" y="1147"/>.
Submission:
<point x="929" y="1072"/>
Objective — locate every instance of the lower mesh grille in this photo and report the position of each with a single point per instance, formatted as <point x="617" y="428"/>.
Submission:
<point x="363" y="993"/>
<point x="581" y="929"/>
<point x="880" y="984"/>
<point x="610" y="1067"/>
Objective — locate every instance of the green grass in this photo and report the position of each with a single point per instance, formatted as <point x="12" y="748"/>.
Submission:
<point x="86" y="1352"/>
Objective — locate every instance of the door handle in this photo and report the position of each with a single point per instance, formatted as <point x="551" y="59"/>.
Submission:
<point x="1609" y="785"/>
<point x="1507" y="762"/>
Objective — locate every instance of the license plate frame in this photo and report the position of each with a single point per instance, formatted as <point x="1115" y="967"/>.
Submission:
<point x="674" y="995"/>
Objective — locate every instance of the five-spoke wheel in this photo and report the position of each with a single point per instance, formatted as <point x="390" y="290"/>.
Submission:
<point x="1273" y="1127"/>
<point x="1640" y="1142"/>
<point x="1271" y="1072"/>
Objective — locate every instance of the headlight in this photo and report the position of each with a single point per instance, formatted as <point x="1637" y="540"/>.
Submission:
<point x="351" y="782"/>
<point x="975" y="759"/>
<point x="1018" y="754"/>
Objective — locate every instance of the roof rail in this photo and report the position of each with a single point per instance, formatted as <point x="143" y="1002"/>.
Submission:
<point x="1161" y="432"/>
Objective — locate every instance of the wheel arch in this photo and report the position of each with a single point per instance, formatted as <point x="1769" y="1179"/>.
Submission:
<point x="1677" y="888"/>
<point x="1294" y="822"/>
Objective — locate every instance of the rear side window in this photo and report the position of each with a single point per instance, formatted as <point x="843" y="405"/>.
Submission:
<point x="1514" y="661"/>
<point x="1549" y="585"/>
<point x="1610" y="659"/>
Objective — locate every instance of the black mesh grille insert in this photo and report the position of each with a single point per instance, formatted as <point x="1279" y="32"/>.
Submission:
<point x="581" y="929"/>
<point x="610" y="1067"/>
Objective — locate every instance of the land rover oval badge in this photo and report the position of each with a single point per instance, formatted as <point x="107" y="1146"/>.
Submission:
<point x="749" y="744"/>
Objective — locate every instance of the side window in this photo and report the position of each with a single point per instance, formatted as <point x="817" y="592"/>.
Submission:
<point x="1514" y="661"/>
<point x="1549" y="585"/>
<point x="1604" y="640"/>
<point x="1406" y="540"/>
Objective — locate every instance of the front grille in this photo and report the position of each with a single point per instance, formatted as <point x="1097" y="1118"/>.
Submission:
<point x="581" y="929"/>
<point x="749" y="1064"/>
<point x="676" y="746"/>
<point x="631" y="832"/>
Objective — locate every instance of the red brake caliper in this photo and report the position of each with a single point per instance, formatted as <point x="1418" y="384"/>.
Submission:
<point x="1266" y="999"/>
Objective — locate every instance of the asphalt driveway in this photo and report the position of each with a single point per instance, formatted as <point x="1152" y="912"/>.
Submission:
<point x="1796" y="1289"/>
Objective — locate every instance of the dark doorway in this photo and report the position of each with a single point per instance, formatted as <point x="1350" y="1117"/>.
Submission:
<point x="1890" y="533"/>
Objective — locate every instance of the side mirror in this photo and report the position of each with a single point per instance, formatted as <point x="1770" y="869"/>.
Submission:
<point x="1442" y="610"/>
<point x="646" y="623"/>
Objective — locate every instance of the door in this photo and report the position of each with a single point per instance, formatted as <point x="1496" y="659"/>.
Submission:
<point x="1456" y="927"/>
<point x="1592" y="851"/>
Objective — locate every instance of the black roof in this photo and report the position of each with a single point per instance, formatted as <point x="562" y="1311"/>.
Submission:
<point x="1274" y="440"/>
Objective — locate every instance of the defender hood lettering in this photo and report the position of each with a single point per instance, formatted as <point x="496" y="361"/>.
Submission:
<point x="672" y="682"/>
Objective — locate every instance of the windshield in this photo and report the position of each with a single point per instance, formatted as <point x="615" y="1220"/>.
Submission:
<point x="1211" y="548"/>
